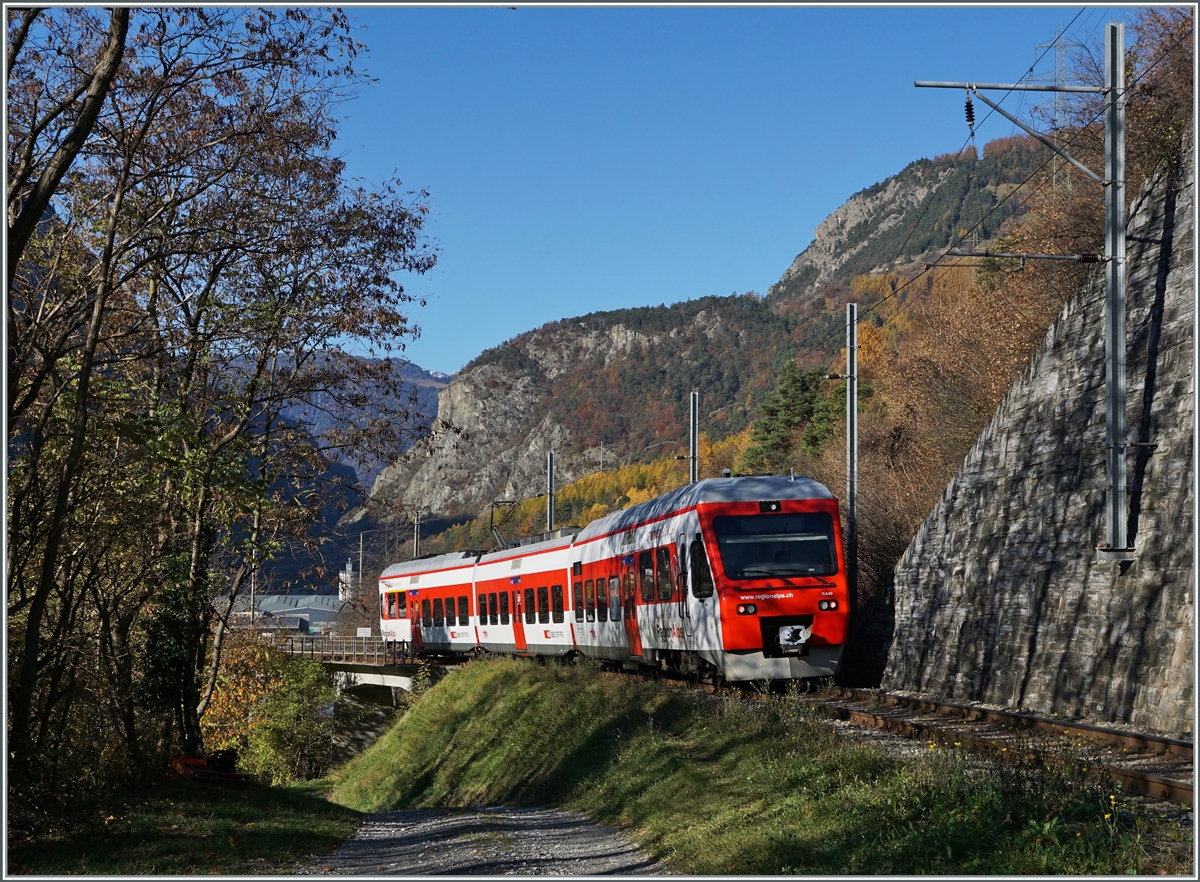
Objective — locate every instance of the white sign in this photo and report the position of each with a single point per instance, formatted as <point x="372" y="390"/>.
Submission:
<point x="364" y="632"/>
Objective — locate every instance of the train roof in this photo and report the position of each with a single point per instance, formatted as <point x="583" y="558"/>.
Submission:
<point x="561" y="541"/>
<point x="748" y="489"/>
<point x="425" y="564"/>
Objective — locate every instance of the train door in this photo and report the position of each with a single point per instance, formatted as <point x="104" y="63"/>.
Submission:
<point x="629" y="607"/>
<point x="418" y="637"/>
<point x="681" y="586"/>
<point x="518" y="622"/>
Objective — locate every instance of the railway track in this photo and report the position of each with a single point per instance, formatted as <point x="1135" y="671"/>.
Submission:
<point x="1151" y="766"/>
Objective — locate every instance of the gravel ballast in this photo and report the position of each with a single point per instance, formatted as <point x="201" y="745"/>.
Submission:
<point x="492" y="841"/>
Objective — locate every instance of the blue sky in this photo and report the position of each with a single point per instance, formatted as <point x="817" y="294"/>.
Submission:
<point x="590" y="158"/>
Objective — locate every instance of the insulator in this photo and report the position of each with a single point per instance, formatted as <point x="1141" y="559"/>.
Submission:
<point x="970" y="113"/>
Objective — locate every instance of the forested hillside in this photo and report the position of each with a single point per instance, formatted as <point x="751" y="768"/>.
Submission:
<point x="921" y="210"/>
<point x="600" y="389"/>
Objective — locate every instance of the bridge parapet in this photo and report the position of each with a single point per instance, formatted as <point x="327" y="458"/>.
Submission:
<point x="356" y="650"/>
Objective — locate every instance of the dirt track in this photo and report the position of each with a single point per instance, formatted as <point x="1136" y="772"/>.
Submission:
<point x="484" y="841"/>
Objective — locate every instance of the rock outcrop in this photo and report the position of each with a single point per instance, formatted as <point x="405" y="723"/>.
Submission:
<point x="1001" y="597"/>
<point x="856" y="227"/>
<point x="493" y="434"/>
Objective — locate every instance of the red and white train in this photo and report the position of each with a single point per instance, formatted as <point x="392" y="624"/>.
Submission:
<point x="728" y="578"/>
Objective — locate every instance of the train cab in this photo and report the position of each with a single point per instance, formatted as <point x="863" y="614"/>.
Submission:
<point x="774" y="548"/>
<point x="737" y="578"/>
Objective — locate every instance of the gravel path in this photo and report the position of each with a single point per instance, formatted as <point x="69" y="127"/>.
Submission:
<point x="484" y="841"/>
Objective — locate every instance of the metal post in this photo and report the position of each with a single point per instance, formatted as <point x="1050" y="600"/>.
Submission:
<point x="852" y="453"/>
<point x="360" y="561"/>
<point x="1115" y="504"/>
<point x="416" y="533"/>
<point x="253" y="607"/>
<point x="694" y="439"/>
<point x="1116" y="507"/>
<point x="549" y="491"/>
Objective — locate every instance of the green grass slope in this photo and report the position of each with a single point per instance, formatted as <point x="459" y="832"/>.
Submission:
<point x="718" y="786"/>
<point x="178" y="827"/>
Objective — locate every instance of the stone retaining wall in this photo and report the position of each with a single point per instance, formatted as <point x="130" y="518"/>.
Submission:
<point x="1000" y="598"/>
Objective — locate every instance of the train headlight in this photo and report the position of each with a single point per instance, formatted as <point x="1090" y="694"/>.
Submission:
<point x="827" y="604"/>
<point x="746" y="609"/>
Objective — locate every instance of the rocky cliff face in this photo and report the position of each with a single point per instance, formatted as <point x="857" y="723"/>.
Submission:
<point x="1000" y="598"/>
<point x="857" y="227"/>
<point x="486" y="455"/>
<point x="593" y="390"/>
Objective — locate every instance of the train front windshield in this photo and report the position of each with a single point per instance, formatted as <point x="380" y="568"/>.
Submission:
<point x="776" y="545"/>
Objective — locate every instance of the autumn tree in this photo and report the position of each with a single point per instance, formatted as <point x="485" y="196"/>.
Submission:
<point x="195" y="272"/>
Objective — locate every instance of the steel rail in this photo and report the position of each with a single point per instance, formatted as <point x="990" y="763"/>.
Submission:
<point x="1132" y="780"/>
<point x="1102" y="734"/>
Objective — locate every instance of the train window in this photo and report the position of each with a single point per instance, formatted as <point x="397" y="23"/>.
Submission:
<point x="589" y="600"/>
<point x="646" y="575"/>
<point x="556" y="603"/>
<point x="464" y="611"/>
<point x="629" y="593"/>
<point x="401" y="605"/>
<point x="776" y="545"/>
<point x="614" y="597"/>
<point x="483" y="609"/>
<point x="391" y="606"/>
<point x="503" y="607"/>
<point x="493" y="609"/>
<point x="702" y="580"/>
<point x="601" y="600"/>
<point x="663" y="572"/>
<point x="530" y="609"/>
<point x="438" y="618"/>
<point x="383" y="606"/>
<point x="577" y="593"/>
<point x="426" y="615"/>
<point x="543" y="607"/>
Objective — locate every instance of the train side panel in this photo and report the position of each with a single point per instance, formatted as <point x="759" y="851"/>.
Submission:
<point x="598" y="601"/>
<point x="532" y="581"/>
<point x="394" y="623"/>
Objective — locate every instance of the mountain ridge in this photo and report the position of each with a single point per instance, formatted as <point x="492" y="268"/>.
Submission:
<point x="607" y="386"/>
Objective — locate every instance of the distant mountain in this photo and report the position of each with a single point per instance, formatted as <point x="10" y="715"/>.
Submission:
<point x="418" y="390"/>
<point x="602" y="388"/>
<point x="345" y="483"/>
